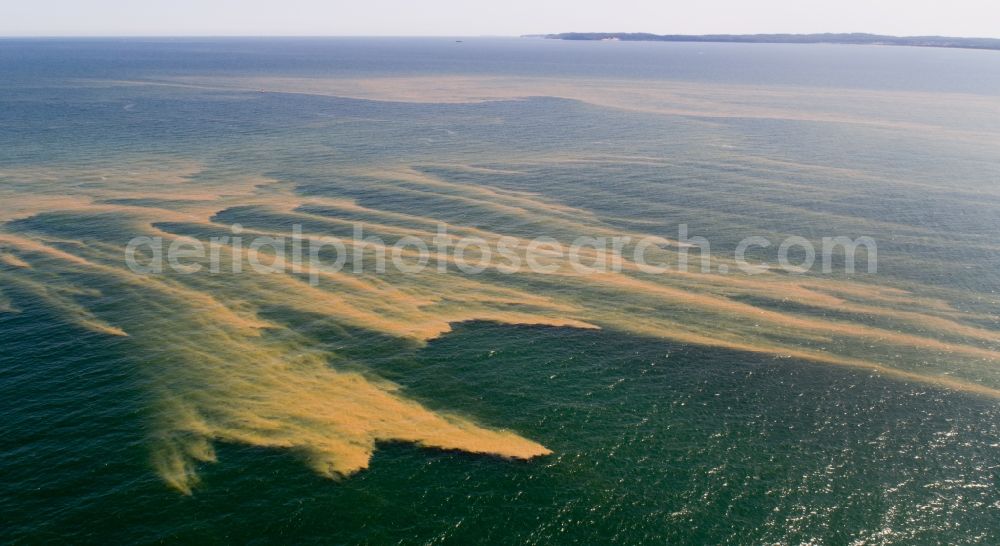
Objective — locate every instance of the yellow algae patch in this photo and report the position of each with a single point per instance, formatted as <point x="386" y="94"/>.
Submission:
<point x="16" y="207"/>
<point x="33" y="245"/>
<point x="13" y="261"/>
<point x="6" y="306"/>
<point x="887" y="109"/>
<point x="228" y="363"/>
<point x="283" y="396"/>
<point x="61" y="299"/>
<point x="336" y="419"/>
<point x="102" y="328"/>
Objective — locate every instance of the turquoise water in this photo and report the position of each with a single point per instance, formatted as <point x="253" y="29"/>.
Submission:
<point x="709" y="408"/>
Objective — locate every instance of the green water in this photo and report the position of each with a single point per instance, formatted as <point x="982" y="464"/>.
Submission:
<point x="861" y="410"/>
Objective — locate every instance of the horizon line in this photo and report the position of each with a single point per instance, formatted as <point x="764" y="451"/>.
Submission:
<point x="529" y="35"/>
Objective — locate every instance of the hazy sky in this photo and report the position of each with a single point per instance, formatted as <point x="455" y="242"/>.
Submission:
<point x="495" y="17"/>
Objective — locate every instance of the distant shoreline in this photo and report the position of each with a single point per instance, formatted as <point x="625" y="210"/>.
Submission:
<point x="828" y="38"/>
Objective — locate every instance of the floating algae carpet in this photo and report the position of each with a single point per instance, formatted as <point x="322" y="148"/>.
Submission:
<point x="325" y="363"/>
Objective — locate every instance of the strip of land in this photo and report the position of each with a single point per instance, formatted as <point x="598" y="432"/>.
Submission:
<point x="829" y="38"/>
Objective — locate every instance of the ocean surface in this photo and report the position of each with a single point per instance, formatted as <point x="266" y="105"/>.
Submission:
<point x="698" y="406"/>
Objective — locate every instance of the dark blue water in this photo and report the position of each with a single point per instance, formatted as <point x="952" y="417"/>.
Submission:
<point x="871" y="419"/>
<point x="823" y="65"/>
